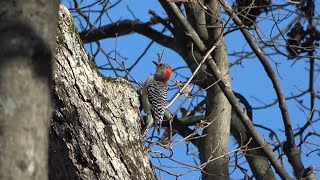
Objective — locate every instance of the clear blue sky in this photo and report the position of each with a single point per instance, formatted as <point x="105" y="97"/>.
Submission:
<point x="249" y="79"/>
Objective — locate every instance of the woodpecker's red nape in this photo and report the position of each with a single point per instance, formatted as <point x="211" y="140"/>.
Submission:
<point x="168" y="73"/>
<point x="163" y="72"/>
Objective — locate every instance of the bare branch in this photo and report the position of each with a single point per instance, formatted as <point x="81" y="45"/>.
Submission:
<point x="230" y="96"/>
<point x="193" y="74"/>
<point x="125" y="27"/>
<point x="290" y="146"/>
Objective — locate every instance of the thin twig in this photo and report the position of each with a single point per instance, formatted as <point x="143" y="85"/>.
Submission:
<point x="229" y="94"/>
<point x="290" y="146"/>
<point x="193" y="74"/>
<point x="122" y="66"/>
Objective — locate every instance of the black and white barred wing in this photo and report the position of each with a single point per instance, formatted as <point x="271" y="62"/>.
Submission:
<point x="157" y="95"/>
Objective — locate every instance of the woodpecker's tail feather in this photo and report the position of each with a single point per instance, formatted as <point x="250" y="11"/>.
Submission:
<point x="148" y="125"/>
<point x="159" y="126"/>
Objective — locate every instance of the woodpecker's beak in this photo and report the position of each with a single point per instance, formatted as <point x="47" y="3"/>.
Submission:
<point x="156" y="63"/>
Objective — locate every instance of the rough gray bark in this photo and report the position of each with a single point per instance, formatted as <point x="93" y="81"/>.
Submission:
<point x="95" y="131"/>
<point x="198" y="19"/>
<point x="27" y="41"/>
<point x="215" y="144"/>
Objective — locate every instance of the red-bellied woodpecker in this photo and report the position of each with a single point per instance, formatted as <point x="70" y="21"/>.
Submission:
<point x="154" y="96"/>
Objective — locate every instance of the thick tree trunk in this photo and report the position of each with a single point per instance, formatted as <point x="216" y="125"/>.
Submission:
<point x="215" y="144"/>
<point x="95" y="131"/>
<point x="27" y="41"/>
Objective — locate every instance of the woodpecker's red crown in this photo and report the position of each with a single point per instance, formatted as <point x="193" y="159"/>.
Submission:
<point x="163" y="72"/>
